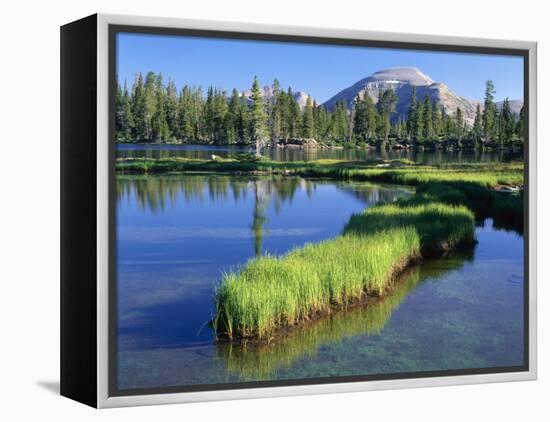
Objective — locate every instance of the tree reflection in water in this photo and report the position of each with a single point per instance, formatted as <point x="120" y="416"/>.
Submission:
<point x="156" y="193"/>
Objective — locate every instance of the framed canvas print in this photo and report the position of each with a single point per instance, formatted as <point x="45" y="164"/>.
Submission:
<point x="252" y="210"/>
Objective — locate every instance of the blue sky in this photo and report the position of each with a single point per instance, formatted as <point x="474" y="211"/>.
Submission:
<point x="320" y="70"/>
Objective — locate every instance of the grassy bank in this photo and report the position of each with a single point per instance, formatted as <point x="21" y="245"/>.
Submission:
<point x="273" y="292"/>
<point x="483" y="175"/>
<point x="270" y="292"/>
<point x="466" y="184"/>
<point x="438" y="227"/>
<point x="397" y="171"/>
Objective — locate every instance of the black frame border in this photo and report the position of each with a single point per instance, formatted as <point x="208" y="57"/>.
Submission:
<point x="114" y="29"/>
<point x="78" y="206"/>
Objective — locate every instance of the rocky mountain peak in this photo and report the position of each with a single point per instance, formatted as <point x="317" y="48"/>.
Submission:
<point x="401" y="75"/>
<point x="402" y="80"/>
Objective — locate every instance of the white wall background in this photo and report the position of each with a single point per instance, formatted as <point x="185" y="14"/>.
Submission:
<point x="29" y="166"/>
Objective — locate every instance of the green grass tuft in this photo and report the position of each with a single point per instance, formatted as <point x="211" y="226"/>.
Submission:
<point x="270" y="292"/>
<point x="440" y="227"/>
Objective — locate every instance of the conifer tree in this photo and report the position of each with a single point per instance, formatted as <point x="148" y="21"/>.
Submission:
<point x="219" y="112"/>
<point x="185" y="115"/>
<point x="138" y="109"/>
<point x="276" y="117"/>
<point x="232" y="117"/>
<point x="209" y="115"/>
<point x="124" y="118"/>
<point x="322" y="124"/>
<point x="411" y="115"/>
<point x="459" y="125"/>
<point x="419" y="124"/>
<point x="171" y="107"/>
<point x="340" y="122"/>
<point x="258" y="117"/>
<point x="386" y="107"/>
<point x="401" y="129"/>
<point x="150" y="105"/>
<point x="295" y="116"/>
<point x="428" y="118"/>
<point x="243" y="121"/>
<point x="119" y="117"/>
<point x="449" y="123"/>
<point x="308" y="125"/>
<point x="350" y="121"/>
<point x="316" y="109"/>
<point x="489" y="110"/>
<point x="507" y="123"/>
<point x="372" y="117"/>
<point x="437" y="121"/>
<point x="477" y="128"/>
<point x="197" y="114"/>
<point x="360" y="118"/>
<point x="159" y="126"/>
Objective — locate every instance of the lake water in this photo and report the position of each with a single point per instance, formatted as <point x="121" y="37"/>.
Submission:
<point x="294" y="154"/>
<point x="176" y="235"/>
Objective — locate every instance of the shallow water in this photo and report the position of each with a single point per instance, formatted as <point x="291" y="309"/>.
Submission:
<point x="294" y="154"/>
<point x="177" y="234"/>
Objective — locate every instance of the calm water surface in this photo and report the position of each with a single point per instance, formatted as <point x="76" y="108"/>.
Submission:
<point x="206" y="151"/>
<point x="176" y="235"/>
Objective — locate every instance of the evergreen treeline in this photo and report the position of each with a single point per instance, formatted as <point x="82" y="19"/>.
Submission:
<point x="152" y="111"/>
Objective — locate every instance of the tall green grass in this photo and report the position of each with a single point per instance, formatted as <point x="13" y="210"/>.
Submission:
<point x="270" y="292"/>
<point x="253" y="361"/>
<point x="439" y="227"/>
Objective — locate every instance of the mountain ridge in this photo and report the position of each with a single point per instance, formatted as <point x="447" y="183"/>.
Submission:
<point x="402" y="80"/>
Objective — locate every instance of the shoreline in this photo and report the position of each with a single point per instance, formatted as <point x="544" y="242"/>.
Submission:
<point x="400" y="145"/>
<point x="400" y="171"/>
